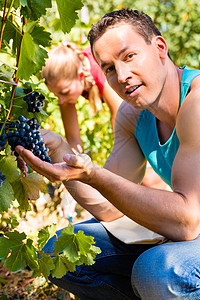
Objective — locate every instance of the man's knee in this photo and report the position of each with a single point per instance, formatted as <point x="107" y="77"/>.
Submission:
<point x="166" y="272"/>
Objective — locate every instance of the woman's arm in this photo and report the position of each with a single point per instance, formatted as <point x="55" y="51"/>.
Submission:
<point x="71" y="126"/>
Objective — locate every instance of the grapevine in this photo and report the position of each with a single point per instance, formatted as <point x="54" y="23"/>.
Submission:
<point x="24" y="41"/>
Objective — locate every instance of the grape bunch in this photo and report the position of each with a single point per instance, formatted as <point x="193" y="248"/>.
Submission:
<point x="34" y="100"/>
<point x="2" y="178"/>
<point x="26" y="134"/>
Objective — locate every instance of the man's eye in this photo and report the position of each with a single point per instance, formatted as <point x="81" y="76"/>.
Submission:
<point x="109" y="69"/>
<point x="130" y="55"/>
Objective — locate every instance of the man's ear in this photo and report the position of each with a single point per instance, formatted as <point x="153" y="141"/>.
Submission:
<point x="161" y="46"/>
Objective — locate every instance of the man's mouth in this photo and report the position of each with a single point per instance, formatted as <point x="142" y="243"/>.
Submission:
<point x="132" y="89"/>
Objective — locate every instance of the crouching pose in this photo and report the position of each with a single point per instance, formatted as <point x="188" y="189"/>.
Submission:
<point x="149" y="237"/>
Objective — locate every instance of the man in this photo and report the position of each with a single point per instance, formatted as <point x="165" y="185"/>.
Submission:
<point x="158" y="121"/>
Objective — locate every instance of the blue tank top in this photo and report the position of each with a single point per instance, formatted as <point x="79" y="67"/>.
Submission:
<point x="161" y="156"/>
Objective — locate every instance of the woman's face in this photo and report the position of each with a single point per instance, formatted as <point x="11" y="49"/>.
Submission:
<point x="67" y="91"/>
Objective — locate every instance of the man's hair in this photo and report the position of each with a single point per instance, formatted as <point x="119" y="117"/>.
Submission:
<point x="142" y="23"/>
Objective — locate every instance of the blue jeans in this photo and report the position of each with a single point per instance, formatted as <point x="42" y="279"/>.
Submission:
<point x="124" y="272"/>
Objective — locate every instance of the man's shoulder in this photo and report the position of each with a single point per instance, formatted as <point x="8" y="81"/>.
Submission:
<point x="193" y="97"/>
<point x="126" y="118"/>
<point x="188" y="118"/>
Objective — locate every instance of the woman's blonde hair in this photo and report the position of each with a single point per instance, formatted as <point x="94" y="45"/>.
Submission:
<point x="64" y="62"/>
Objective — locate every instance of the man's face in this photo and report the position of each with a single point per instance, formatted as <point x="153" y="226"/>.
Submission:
<point x="133" y="68"/>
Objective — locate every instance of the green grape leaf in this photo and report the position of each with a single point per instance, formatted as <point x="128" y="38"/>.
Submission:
<point x="30" y="255"/>
<point x="11" y="32"/>
<point x="67" y="244"/>
<point x="32" y="184"/>
<point x="60" y="268"/>
<point x="19" y="93"/>
<point x="15" y="244"/>
<point x="45" y="234"/>
<point x="29" y="26"/>
<point x="77" y="248"/>
<point x="6" y="196"/>
<point x="67" y="11"/>
<point x="40" y="36"/>
<point x="4" y="247"/>
<point x="88" y="259"/>
<point x="46" y="264"/>
<point x="8" y="166"/>
<point x="26" y="63"/>
<point x="15" y="237"/>
<point x="71" y="267"/>
<point x="15" y="261"/>
<point x="39" y="58"/>
<point x="84" y="242"/>
<point x="34" y="9"/>
<point x="20" y="195"/>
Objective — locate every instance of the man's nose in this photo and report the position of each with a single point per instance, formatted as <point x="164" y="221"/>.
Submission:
<point x="123" y="73"/>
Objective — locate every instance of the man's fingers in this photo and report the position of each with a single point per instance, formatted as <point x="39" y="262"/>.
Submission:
<point x="32" y="160"/>
<point x="77" y="161"/>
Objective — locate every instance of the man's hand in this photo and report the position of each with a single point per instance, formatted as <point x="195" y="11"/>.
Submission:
<point x="73" y="167"/>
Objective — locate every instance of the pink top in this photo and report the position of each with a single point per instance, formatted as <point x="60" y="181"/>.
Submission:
<point x="95" y="70"/>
